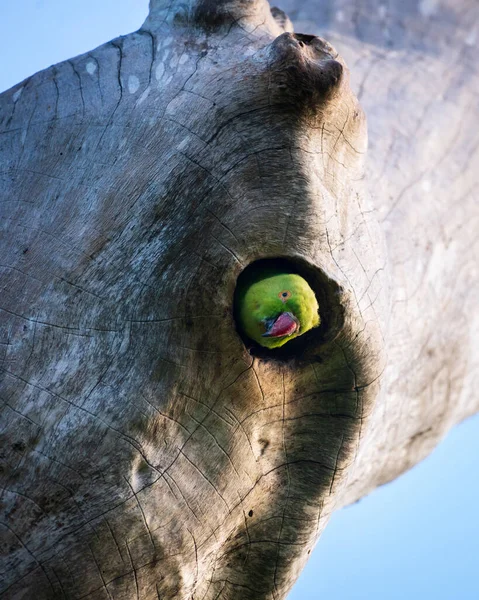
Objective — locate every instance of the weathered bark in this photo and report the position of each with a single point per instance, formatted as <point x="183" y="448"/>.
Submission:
<point x="149" y="452"/>
<point x="414" y="68"/>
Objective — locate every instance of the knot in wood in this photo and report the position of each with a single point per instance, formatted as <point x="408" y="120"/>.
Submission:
<point x="306" y="65"/>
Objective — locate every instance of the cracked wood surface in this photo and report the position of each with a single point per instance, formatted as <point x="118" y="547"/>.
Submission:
<point x="146" y="453"/>
<point x="413" y="67"/>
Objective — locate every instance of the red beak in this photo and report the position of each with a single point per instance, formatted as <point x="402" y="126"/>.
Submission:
<point x="285" y="324"/>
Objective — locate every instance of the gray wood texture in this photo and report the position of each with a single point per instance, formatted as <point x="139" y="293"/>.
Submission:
<point x="147" y="452"/>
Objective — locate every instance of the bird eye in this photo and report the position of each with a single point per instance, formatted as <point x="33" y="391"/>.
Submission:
<point x="284" y="295"/>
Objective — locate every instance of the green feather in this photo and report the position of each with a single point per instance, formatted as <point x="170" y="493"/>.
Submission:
<point x="260" y="299"/>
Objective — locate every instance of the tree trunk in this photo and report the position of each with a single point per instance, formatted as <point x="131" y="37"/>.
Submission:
<point x="149" y="450"/>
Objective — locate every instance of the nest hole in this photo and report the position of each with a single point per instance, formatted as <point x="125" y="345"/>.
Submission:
<point x="328" y="294"/>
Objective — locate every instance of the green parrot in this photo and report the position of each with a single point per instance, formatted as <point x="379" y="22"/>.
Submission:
<point x="275" y="307"/>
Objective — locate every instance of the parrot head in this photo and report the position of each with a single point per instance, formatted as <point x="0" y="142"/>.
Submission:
<point x="276" y="308"/>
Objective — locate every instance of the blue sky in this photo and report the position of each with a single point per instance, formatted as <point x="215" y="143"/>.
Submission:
<point x="414" y="539"/>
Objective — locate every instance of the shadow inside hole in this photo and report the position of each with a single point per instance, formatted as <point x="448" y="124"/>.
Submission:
<point x="304" y="38"/>
<point x="328" y="294"/>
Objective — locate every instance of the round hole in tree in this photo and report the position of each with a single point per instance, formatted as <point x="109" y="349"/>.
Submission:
<point x="250" y="514"/>
<point x="275" y="303"/>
